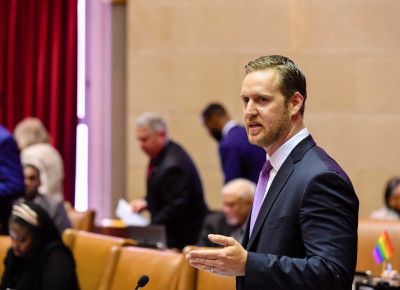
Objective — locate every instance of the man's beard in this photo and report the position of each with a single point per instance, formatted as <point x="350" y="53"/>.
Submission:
<point x="217" y="135"/>
<point x="274" y="133"/>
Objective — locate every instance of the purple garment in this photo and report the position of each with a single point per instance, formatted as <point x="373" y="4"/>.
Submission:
<point x="11" y="177"/>
<point x="239" y="158"/>
<point x="260" y="192"/>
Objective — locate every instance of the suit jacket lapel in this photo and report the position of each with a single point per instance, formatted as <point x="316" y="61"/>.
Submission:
<point x="277" y="184"/>
<point x="245" y="238"/>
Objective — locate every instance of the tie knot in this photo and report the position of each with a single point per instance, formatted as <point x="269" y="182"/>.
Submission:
<point x="266" y="168"/>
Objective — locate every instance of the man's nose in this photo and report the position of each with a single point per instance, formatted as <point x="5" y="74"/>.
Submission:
<point x="250" y="109"/>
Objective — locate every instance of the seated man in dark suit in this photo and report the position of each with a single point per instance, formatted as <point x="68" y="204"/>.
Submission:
<point x="54" y="208"/>
<point x="174" y="191"/>
<point x="239" y="158"/>
<point x="11" y="178"/>
<point x="237" y="197"/>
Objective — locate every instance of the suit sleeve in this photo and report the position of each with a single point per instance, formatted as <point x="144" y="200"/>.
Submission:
<point x="11" y="177"/>
<point x="177" y="187"/>
<point x="230" y="159"/>
<point x="328" y="220"/>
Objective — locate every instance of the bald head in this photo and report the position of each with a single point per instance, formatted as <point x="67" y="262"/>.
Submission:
<point x="237" y="197"/>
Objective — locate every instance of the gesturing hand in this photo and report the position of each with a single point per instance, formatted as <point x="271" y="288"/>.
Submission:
<point x="138" y="205"/>
<point x="229" y="261"/>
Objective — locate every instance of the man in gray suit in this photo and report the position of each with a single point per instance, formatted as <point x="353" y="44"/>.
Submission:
<point x="54" y="208"/>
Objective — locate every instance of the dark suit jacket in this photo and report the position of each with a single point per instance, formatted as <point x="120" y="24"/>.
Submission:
<point x="305" y="236"/>
<point x="214" y="224"/>
<point x="11" y="177"/>
<point x="239" y="158"/>
<point x="175" y="196"/>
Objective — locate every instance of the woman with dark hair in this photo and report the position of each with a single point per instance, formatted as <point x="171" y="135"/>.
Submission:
<point x="38" y="259"/>
<point x="391" y="211"/>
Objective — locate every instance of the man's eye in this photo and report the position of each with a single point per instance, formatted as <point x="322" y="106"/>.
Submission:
<point x="263" y="99"/>
<point x="246" y="100"/>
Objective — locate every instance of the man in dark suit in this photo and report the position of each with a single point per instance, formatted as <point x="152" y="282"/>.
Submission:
<point x="239" y="158"/>
<point x="174" y="191"/>
<point x="11" y="178"/>
<point x="302" y="229"/>
<point x="237" y="197"/>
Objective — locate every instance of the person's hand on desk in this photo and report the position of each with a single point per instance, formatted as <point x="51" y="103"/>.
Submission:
<point x="138" y="205"/>
<point x="229" y="261"/>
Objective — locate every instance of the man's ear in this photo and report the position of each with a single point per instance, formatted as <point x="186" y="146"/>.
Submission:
<point x="162" y="134"/>
<point x="296" y="102"/>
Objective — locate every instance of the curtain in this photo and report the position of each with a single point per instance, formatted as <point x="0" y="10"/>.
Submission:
<point x="38" y="72"/>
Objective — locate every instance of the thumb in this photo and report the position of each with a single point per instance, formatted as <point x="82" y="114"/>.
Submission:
<point x="222" y="240"/>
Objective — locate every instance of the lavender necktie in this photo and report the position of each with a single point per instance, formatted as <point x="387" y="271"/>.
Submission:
<point x="260" y="192"/>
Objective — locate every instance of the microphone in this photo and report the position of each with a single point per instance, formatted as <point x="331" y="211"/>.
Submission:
<point x="142" y="282"/>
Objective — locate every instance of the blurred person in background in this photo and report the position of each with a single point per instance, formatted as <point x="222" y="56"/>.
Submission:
<point x="11" y="178"/>
<point x="174" y="191"/>
<point x="33" y="141"/>
<point x="54" y="208"/>
<point x="237" y="198"/>
<point x="391" y="210"/>
<point x="38" y="259"/>
<point x="239" y="158"/>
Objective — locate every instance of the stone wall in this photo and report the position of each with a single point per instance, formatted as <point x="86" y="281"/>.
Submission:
<point x="184" y="54"/>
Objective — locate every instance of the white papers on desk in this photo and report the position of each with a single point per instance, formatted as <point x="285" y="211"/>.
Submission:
<point x="124" y="212"/>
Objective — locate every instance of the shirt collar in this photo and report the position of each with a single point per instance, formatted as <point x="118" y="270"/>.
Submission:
<point x="37" y="199"/>
<point x="227" y="127"/>
<point x="283" y="152"/>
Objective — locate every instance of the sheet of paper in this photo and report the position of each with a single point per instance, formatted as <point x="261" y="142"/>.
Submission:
<point x="124" y="212"/>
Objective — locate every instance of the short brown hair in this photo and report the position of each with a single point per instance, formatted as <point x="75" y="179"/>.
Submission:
<point x="214" y="110"/>
<point x="291" y="78"/>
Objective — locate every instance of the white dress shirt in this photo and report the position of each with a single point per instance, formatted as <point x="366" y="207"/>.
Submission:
<point x="281" y="154"/>
<point x="228" y="126"/>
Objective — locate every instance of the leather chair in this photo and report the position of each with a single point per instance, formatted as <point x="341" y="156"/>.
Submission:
<point x="92" y="253"/>
<point x="5" y="244"/>
<point x="83" y="221"/>
<point x="187" y="278"/>
<point x="130" y="263"/>
<point x="369" y="232"/>
<point x="192" y="278"/>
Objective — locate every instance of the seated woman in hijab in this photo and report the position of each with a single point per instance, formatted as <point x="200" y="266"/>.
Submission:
<point x="38" y="259"/>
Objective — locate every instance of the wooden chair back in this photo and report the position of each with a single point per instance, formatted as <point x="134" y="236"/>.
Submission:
<point x="163" y="268"/>
<point x="5" y="244"/>
<point x="369" y="232"/>
<point x="92" y="254"/>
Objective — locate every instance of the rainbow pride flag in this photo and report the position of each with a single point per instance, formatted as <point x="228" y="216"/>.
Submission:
<point x="383" y="249"/>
